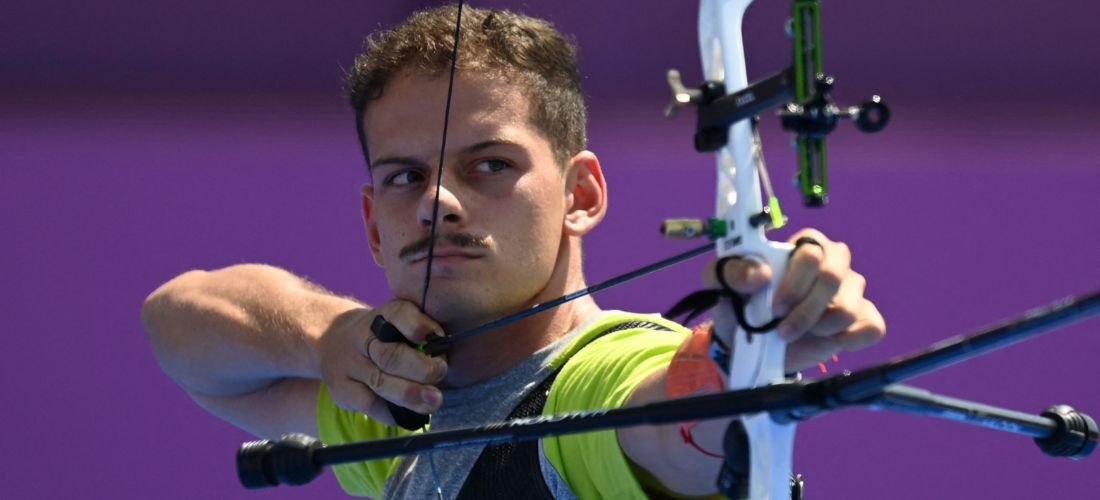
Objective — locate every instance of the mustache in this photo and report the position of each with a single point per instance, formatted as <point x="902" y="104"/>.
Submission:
<point x="459" y="240"/>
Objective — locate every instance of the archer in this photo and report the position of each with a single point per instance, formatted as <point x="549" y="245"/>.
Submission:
<point x="272" y="354"/>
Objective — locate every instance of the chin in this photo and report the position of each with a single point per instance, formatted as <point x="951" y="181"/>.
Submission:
<point x="459" y="312"/>
<point x="454" y="315"/>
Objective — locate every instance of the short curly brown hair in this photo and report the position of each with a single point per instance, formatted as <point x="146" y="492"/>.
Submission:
<point x="494" y="42"/>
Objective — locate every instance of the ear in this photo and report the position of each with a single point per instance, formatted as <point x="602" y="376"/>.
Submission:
<point x="371" y="225"/>
<point x="586" y="194"/>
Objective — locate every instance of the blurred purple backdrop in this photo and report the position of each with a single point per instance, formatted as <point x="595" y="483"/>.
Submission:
<point x="139" y="140"/>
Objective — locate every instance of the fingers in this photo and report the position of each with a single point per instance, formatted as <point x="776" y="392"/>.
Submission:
<point x="820" y="299"/>
<point x="415" y="325"/>
<point x="844" y="309"/>
<point x="418" y="397"/>
<point x="813" y="283"/>
<point x="398" y="372"/>
<point x="365" y="388"/>
<point x="867" y="330"/>
<point x="808" y="351"/>
<point x="353" y="395"/>
<point x="406" y="362"/>
<point x="863" y="332"/>
<point x="399" y="359"/>
<point x="363" y="372"/>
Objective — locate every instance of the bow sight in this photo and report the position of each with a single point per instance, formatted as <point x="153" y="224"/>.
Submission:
<point x="803" y="91"/>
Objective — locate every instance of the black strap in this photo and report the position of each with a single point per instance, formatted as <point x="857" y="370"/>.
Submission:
<point x="511" y="470"/>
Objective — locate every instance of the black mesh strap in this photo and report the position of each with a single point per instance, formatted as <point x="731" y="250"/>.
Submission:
<point x="511" y="470"/>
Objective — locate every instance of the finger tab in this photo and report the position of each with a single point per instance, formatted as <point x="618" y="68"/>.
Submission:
<point x="407" y="418"/>
<point x="385" y="331"/>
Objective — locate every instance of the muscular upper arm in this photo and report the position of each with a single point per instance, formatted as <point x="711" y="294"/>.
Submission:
<point x="241" y="342"/>
<point x="289" y="405"/>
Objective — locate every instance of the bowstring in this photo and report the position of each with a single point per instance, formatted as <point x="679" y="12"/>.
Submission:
<point x="442" y="154"/>
<point x="435" y="203"/>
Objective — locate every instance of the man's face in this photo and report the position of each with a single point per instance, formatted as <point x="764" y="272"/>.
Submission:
<point x="501" y="205"/>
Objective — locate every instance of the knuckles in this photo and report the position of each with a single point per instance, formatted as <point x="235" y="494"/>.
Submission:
<point x="810" y="255"/>
<point x="802" y="321"/>
<point x="384" y="354"/>
<point x="854" y="321"/>
<point x="858" y="280"/>
<point x="877" y="322"/>
<point x="842" y="248"/>
<point x="438" y="370"/>
<point x="373" y="376"/>
<point x="845" y="316"/>
<point x="831" y="279"/>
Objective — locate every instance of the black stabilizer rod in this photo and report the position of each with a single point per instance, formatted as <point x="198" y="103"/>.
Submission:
<point x="297" y="459"/>
<point x="1060" y="430"/>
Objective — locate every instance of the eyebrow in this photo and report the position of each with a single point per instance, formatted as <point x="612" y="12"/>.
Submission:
<point x="411" y="161"/>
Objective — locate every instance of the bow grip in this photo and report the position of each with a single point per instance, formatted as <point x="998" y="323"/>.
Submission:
<point x="384" y="331"/>
<point x="756" y="360"/>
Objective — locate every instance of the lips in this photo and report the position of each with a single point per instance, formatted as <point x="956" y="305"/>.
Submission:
<point x="445" y="253"/>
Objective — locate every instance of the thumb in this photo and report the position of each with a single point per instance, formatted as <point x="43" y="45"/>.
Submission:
<point x="742" y="275"/>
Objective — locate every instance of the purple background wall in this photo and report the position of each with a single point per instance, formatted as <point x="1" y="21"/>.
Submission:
<point x="139" y="140"/>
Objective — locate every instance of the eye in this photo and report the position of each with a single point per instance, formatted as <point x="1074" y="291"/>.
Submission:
<point x="490" y="166"/>
<point x="405" y="178"/>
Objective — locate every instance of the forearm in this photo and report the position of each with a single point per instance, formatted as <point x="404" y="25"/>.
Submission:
<point x="236" y="330"/>
<point x="661" y="450"/>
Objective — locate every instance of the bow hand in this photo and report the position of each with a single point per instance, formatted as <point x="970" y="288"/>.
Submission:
<point x="820" y="300"/>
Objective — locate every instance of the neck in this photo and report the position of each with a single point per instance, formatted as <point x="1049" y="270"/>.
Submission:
<point x="488" y="354"/>
<point x="480" y="358"/>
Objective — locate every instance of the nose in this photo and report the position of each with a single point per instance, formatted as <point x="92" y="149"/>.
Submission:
<point x="450" y="209"/>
